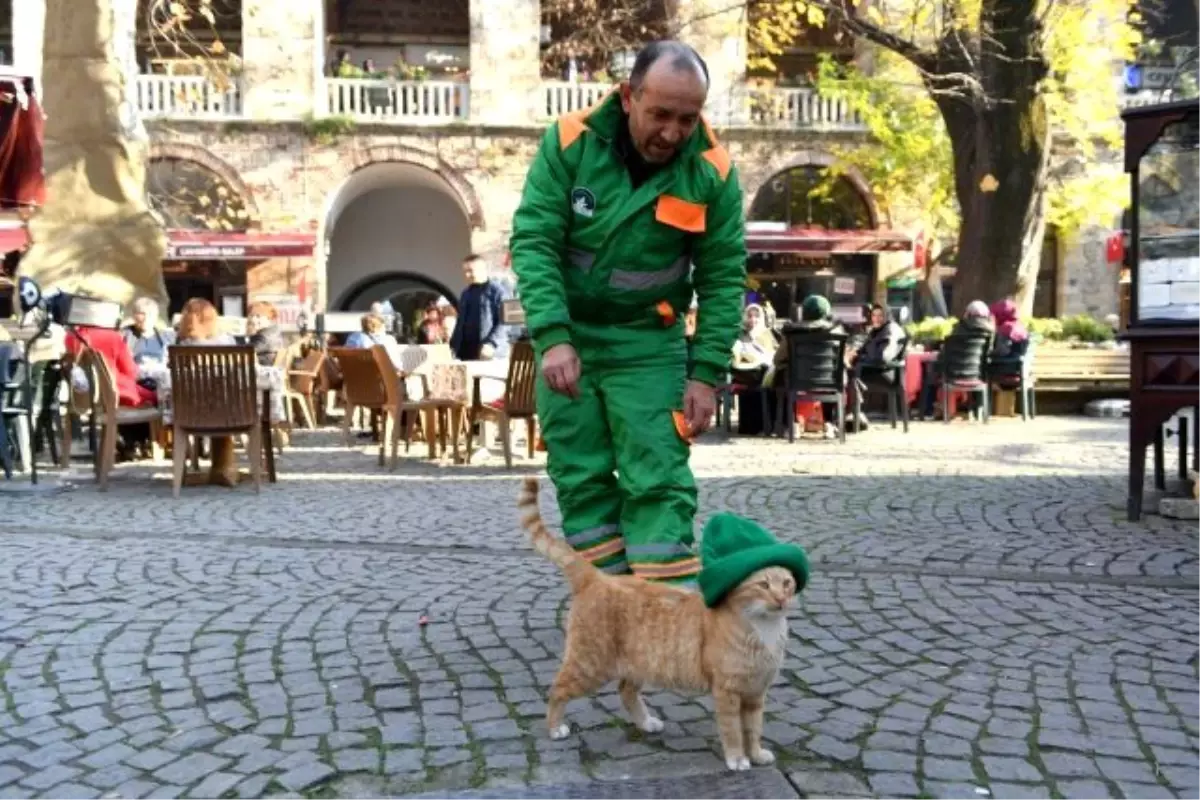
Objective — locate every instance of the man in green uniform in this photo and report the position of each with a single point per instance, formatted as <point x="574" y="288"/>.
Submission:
<point x="628" y="208"/>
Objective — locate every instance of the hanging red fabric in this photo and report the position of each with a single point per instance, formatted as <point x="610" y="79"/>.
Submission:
<point x="22" y="130"/>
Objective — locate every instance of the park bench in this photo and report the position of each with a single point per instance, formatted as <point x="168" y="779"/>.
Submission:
<point x="1082" y="369"/>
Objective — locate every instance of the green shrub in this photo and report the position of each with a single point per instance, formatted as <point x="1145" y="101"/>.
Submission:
<point x="1085" y="328"/>
<point x="1046" y="329"/>
<point x="930" y="330"/>
<point x="1079" y="328"/>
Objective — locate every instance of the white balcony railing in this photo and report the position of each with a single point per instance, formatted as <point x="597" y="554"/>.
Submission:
<point x="562" y="97"/>
<point x="383" y="100"/>
<point x="800" y="108"/>
<point x="187" y="97"/>
<point x="775" y="108"/>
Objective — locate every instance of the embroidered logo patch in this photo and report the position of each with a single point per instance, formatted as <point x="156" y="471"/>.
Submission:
<point x="583" y="202"/>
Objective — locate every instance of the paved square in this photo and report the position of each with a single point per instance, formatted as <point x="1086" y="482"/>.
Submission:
<point x="981" y="622"/>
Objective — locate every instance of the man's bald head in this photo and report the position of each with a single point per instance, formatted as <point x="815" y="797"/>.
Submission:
<point x="663" y="97"/>
<point x="676" y="56"/>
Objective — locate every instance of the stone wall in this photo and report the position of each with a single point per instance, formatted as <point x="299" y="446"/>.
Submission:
<point x="1087" y="281"/>
<point x="292" y="178"/>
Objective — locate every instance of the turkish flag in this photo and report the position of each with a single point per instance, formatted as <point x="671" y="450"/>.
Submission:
<point x="1115" y="249"/>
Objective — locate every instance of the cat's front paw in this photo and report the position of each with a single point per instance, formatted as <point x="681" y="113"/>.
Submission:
<point x="737" y="763"/>
<point x="763" y="757"/>
<point x="651" y="725"/>
<point x="560" y="731"/>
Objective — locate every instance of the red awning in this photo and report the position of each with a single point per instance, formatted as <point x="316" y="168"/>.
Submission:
<point x="248" y="246"/>
<point x="12" y="237"/>
<point x="22" y="130"/>
<point x="819" y="241"/>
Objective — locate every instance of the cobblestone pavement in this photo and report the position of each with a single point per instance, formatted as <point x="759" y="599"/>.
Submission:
<point x="981" y="622"/>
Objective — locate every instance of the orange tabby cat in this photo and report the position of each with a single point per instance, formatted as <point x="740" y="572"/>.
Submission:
<point x="642" y="633"/>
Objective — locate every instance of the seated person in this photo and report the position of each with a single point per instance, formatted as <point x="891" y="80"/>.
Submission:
<point x="976" y="318"/>
<point x="431" y="330"/>
<point x="200" y="324"/>
<point x="374" y="331"/>
<point x="755" y="346"/>
<point x="816" y="314"/>
<point x="1012" y="339"/>
<point x="143" y="337"/>
<point x="885" y="339"/>
<point x="265" y="337"/>
<point x="111" y="345"/>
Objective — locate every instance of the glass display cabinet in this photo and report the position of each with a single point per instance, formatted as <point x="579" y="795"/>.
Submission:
<point x="1162" y="157"/>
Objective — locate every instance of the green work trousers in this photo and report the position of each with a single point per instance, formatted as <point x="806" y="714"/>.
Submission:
<point x="625" y="490"/>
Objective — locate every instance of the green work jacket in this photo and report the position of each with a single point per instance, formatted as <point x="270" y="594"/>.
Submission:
<point x="589" y="248"/>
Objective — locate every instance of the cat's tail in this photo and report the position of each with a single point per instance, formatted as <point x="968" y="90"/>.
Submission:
<point x="579" y="570"/>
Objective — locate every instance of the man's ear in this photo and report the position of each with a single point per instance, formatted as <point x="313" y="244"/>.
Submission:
<point x="626" y="96"/>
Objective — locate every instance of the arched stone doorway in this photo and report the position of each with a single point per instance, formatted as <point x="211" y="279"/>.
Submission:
<point x="395" y="232"/>
<point x="816" y="252"/>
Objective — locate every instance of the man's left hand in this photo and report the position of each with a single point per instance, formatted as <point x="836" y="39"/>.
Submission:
<point x="486" y="352"/>
<point x="699" y="405"/>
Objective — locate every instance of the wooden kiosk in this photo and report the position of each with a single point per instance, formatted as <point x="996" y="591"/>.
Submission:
<point x="1162" y="157"/>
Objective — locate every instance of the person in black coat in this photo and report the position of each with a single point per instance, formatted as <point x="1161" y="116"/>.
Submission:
<point x="480" y="334"/>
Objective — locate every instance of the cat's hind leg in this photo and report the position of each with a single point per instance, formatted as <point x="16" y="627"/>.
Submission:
<point x="631" y="697"/>
<point x="752" y="722"/>
<point x="570" y="683"/>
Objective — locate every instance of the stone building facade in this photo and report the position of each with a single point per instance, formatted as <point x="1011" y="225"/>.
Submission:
<point x="398" y="180"/>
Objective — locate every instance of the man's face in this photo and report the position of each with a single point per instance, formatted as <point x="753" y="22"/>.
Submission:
<point x="663" y="114"/>
<point x="475" y="271"/>
<point x="139" y="319"/>
<point x="877" y="317"/>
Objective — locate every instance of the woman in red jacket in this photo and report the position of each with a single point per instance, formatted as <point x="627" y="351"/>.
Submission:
<point x="111" y="345"/>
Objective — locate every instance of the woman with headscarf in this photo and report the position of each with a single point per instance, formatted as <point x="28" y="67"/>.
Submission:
<point x="753" y="350"/>
<point x="755" y="346"/>
<point x="1011" y="336"/>
<point x="976" y="318"/>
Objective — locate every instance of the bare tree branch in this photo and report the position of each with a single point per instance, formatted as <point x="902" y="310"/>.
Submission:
<point x="842" y="11"/>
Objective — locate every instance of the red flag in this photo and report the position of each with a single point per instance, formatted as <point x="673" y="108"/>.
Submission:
<point x="1115" y="250"/>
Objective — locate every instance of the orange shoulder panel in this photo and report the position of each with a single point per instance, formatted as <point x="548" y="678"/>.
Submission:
<point x="716" y="155"/>
<point x="719" y="158"/>
<point x="570" y="128"/>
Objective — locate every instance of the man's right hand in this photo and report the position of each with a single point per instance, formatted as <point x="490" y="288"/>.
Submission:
<point x="560" y="368"/>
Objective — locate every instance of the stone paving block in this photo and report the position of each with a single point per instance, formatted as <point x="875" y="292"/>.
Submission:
<point x="215" y="784"/>
<point x="893" y="784"/>
<point x="135" y="788"/>
<point x="10" y="773"/>
<point x="110" y="777"/>
<point x="50" y="776"/>
<point x="1020" y="791"/>
<point x="190" y="768"/>
<point x="306" y="776"/>
<point x="73" y="791"/>
<point x="150" y="760"/>
<point x="1083" y="790"/>
<point x="945" y="769"/>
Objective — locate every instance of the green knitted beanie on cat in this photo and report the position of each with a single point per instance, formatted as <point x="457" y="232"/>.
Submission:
<point x="733" y="548"/>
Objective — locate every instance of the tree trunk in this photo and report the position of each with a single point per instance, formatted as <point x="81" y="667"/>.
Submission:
<point x="95" y="234"/>
<point x="1000" y="241"/>
<point x="998" y="127"/>
<point x="931" y="290"/>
